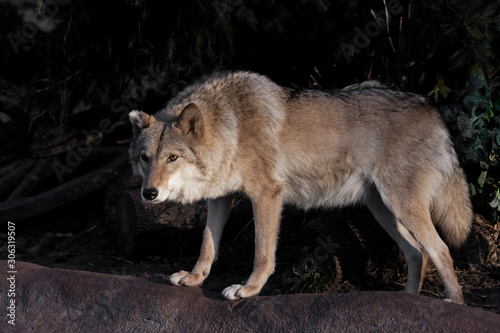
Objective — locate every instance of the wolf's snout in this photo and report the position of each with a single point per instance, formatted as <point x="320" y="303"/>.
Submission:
<point x="150" y="193"/>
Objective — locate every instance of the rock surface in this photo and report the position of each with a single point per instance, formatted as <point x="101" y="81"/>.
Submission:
<point x="56" y="300"/>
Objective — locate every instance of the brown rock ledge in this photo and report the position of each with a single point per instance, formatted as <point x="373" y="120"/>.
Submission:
<point x="56" y="300"/>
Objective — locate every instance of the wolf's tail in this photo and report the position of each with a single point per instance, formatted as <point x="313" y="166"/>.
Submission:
<point x="452" y="210"/>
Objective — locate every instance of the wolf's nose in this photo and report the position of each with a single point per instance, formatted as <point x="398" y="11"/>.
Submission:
<point x="150" y="193"/>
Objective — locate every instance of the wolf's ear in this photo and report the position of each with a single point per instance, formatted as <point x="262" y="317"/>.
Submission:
<point x="190" y="121"/>
<point x="140" y="121"/>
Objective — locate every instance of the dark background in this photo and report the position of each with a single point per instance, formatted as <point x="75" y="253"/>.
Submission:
<point x="67" y="65"/>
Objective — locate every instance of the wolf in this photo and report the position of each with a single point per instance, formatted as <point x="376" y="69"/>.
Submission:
<point x="240" y="132"/>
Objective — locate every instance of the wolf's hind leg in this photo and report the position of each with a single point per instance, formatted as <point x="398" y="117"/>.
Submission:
<point x="415" y="258"/>
<point x="414" y="223"/>
<point x="218" y="212"/>
<point x="419" y="223"/>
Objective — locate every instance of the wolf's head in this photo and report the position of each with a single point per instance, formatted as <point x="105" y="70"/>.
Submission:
<point x="168" y="155"/>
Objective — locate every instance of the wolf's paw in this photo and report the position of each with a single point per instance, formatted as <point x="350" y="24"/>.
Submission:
<point x="237" y="291"/>
<point x="176" y="278"/>
<point x="184" y="278"/>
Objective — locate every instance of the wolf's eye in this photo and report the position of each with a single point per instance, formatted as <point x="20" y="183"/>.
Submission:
<point x="144" y="158"/>
<point x="172" y="158"/>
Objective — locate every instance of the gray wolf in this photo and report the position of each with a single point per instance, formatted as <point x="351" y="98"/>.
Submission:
<point x="240" y="132"/>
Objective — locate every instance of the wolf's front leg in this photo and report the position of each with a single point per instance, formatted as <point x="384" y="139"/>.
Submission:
<point x="218" y="212"/>
<point x="267" y="213"/>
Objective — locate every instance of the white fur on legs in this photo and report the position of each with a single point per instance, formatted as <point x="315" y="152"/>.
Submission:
<point x="401" y="236"/>
<point x="218" y="212"/>
<point x="267" y="213"/>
